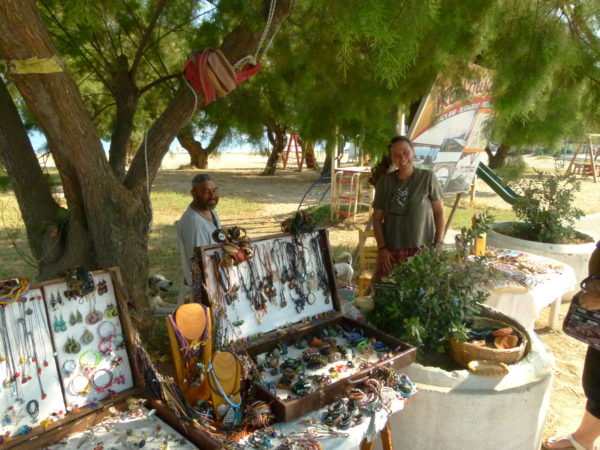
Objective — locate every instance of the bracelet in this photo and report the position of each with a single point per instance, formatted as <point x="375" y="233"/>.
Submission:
<point x="69" y="366"/>
<point x="95" y="376"/>
<point x="89" y="365"/>
<point x="102" y="327"/>
<point x="75" y="390"/>
<point x="105" y="346"/>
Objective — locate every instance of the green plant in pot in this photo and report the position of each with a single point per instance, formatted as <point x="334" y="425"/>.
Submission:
<point x="546" y="209"/>
<point x="429" y="298"/>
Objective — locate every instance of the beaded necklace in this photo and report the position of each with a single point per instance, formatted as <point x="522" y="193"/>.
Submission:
<point x="321" y="273"/>
<point x="12" y="371"/>
<point x="257" y="299"/>
<point x="43" y="334"/>
<point x="277" y="254"/>
<point x="266" y="285"/>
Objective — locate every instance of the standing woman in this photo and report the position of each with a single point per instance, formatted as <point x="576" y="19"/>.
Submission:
<point x="588" y="431"/>
<point x="408" y="209"/>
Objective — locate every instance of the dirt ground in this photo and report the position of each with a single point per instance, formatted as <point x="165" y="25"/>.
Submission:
<point x="280" y="195"/>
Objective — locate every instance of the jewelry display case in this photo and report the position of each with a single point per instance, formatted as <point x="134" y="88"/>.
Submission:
<point x="71" y="363"/>
<point x="281" y="306"/>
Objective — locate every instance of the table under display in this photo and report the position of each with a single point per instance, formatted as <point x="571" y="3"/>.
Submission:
<point x="530" y="284"/>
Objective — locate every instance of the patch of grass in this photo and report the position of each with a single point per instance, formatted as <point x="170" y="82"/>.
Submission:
<point x="156" y="340"/>
<point x="168" y="206"/>
<point x="321" y="214"/>
<point x="464" y="213"/>
<point x="14" y="247"/>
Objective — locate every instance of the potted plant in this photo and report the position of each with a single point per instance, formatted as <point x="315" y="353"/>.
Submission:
<point x="427" y="301"/>
<point x="547" y="216"/>
<point x="428" y="298"/>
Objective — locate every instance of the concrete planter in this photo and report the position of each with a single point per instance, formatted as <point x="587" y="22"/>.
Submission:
<point x="460" y="410"/>
<point x="576" y="255"/>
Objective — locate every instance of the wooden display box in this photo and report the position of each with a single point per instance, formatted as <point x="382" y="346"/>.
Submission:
<point x="293" y="324"/>
<point x="85" y="417"/>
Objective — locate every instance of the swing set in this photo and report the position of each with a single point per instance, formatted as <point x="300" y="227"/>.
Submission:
<point x="590" y="146"/>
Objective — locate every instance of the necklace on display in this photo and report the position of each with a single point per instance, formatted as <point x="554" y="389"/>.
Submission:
<point x="40" y="327"/>
<point x="321" y="273"/>
<point x="277" y="254"/>
<point x="12" y="373"/>
<point x="266" y="285"/>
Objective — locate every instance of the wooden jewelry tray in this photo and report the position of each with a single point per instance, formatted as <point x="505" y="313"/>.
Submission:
<point x="291" y="322"/>
<point x="55" y="427"/>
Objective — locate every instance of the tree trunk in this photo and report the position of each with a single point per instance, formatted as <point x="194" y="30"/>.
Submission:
<point x="499" y="159"/>
<point x="198" y="154"/>
<point x="277" y="137"/>
<point x="308" y="150"/>
<point x="41" y="214"/>
<point x="329" y="149"/>
<point x="108" y="218"/>
<point x="127" y="96"/>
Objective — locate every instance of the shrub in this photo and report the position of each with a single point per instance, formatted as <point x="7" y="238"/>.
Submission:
<point x="428" y="298"/>
<point x="546" y="208"/>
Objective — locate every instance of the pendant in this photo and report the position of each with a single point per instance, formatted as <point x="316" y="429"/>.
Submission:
<point x="93" y="317"/>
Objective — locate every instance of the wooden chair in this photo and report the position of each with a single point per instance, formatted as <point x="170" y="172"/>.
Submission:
<point x="367" y="256"/>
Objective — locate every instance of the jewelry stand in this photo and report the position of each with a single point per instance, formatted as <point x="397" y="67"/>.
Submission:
<point x="194" y="325"/>
<point x="224" y="379"/>
<point x="284" y="294"/>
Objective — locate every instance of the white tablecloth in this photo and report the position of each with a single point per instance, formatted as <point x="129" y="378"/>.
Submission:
<point x="548" y="290"/>
<point x="369" y="428"/>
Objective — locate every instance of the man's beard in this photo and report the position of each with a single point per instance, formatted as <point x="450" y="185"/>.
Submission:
<point x="208" y="205"/>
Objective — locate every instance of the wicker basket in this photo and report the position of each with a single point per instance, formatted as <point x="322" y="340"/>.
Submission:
<point x="463" y="352"/>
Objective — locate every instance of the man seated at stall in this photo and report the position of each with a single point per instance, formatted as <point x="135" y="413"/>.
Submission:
<point x="198" y="223"/>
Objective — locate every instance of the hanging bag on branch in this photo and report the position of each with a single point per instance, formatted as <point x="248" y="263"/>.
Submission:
<point x="210" y="73"/>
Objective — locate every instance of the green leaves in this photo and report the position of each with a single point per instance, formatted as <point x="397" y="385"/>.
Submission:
<point x="546" y="208"/>
<point x="427" y="298"/>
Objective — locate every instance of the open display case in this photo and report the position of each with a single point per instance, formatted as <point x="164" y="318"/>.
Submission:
<point x="281" y="305"/>
<point x="69" y="374"/>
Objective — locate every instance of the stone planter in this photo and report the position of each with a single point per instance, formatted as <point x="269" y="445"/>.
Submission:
<point x="576" y="255"/>
<point x="460" y="410"/>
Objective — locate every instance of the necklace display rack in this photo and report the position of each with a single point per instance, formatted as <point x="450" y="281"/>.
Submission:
<point x="70" y="362"/>
<point x="283" y="295"/>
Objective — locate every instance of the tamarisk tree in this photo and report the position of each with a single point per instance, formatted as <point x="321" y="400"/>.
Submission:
<point x="107" y="215"/>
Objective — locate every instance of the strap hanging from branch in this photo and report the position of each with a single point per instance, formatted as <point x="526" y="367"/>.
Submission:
<point x="210" y="73"/>
<point x="33" y="65"/>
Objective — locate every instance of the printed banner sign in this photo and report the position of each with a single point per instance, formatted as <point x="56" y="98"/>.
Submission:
<point x="448" y="131"/>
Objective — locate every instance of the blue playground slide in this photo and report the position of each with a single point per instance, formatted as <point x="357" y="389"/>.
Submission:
<point x="497" y="184"/>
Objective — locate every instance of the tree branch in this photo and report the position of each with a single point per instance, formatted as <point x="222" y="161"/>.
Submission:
<point x="146" y="37"/>
<point x="181" y="25"/>
<point x="69" y="42"/>
<point x="159" y="80"/>
<point x="240" y="42"/>
<point x="38" y="208"/>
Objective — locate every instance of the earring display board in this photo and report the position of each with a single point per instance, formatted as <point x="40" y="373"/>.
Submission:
<point x="89" y="340"/>
<point x="30" y="389"/>
<point x="49" y="336"/>
<point x="133" y="428"/>
<point x="283" y="295"/>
